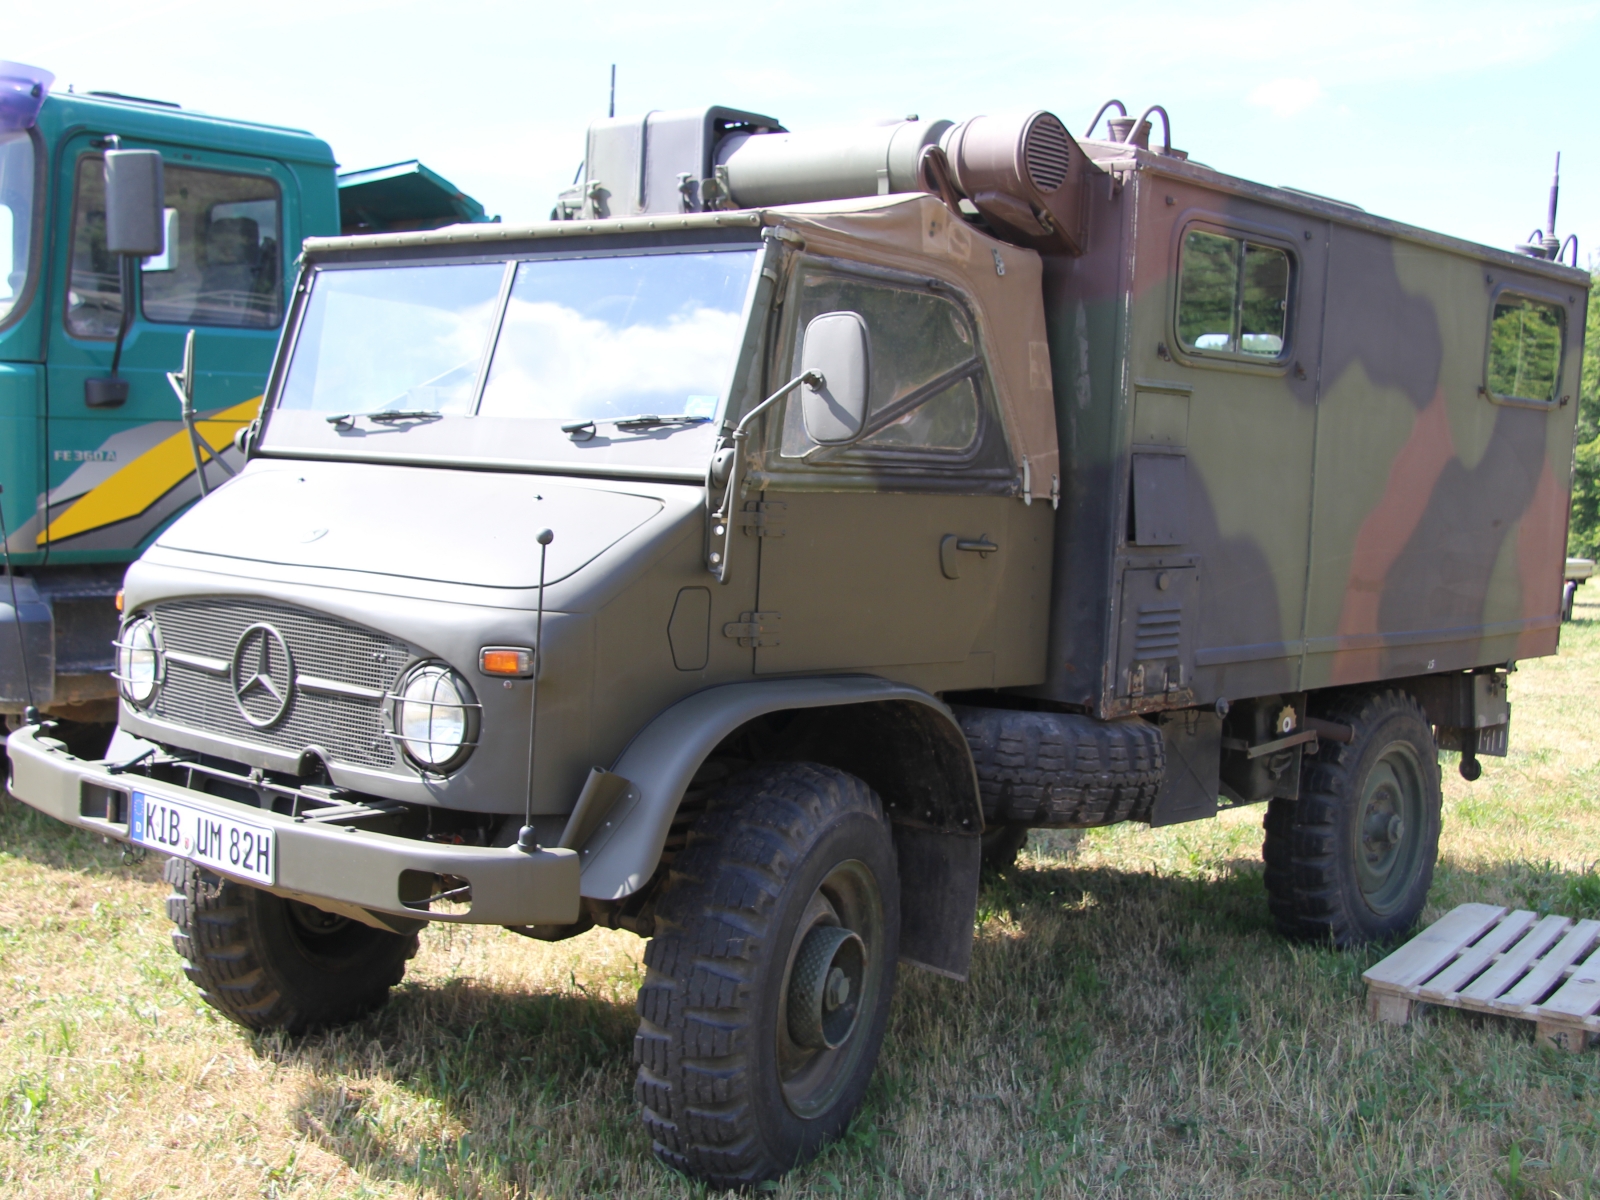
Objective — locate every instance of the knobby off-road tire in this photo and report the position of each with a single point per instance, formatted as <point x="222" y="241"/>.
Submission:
<point x="270" y="963"/>
<point x="787" y="887"/>
<point x="1062" y="770"/>
<point x="1352" y="859"/>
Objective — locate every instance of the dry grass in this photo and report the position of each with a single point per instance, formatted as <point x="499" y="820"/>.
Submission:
<point x="1132" y="1027"/>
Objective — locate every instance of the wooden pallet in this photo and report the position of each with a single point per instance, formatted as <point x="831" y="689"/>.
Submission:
<point x="1493" y="960"/>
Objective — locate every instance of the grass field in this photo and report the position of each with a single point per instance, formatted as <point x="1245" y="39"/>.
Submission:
<point x="1133" y="1027"/>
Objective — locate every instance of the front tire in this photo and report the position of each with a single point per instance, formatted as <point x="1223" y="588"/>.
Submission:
<point x="269" y="963"/>
<point x="1352" y="859"/>
<point x="769" y="979"/>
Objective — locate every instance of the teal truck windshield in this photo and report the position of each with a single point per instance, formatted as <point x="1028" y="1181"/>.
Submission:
<point x="522" y="351"/>
<point x="16" y="217"/>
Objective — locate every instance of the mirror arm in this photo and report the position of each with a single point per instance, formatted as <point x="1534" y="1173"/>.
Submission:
<point x="125" y="277"/>
<point x="722" y="518"/>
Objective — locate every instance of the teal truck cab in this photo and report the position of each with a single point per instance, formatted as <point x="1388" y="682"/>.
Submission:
<point x="94" y="458"/>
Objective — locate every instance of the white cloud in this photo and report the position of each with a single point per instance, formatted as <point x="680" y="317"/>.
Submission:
<point x="553" y="361"/>
<point x="1287" y="97"/>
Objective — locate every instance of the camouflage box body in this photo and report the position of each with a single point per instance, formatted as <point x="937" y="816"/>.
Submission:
<point x="1361" y="508"/>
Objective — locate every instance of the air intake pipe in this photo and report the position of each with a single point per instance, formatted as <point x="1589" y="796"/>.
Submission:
<point x="1024" y="173"/>
<point x="760" y="169"/>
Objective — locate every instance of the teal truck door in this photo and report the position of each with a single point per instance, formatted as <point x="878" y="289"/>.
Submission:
<point x="890" y="554"/>
<point x="116" y="475"/>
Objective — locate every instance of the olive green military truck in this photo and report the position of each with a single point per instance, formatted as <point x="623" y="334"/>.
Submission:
<point x="744" y="555"/>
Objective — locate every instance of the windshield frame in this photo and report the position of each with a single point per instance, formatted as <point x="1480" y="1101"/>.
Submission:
<point x="23" y="303"/>
<point x="746" y="240"/>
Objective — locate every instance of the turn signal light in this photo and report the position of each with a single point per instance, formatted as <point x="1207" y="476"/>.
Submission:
<point x="506" y="661"/>
<point x="119" y="599"/>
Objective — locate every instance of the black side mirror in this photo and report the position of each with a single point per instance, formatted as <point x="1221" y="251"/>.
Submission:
<point x="136" y="227"/>
<point x="135" y="197"/>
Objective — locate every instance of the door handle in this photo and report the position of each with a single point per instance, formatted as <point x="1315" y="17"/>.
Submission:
<point x="950" y="546"/>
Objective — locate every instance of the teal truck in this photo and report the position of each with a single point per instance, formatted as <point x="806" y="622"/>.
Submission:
<point x="95" y="459"/>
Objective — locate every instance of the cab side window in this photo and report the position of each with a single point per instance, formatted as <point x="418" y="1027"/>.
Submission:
<point x="1525" y="349"/>
<point x="1233" y="296"/>
<point x="928" y="398"/>
<point x="220" y="265"/>
<point x="16" y="218"/>
<point x="94" y="289"/>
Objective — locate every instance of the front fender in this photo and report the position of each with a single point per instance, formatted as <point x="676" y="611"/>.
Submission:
<point x="658" y="764"/>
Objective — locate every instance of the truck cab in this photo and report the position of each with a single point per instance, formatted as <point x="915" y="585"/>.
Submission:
<point x="94" y="462"/>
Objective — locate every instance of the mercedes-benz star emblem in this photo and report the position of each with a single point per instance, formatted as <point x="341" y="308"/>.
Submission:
<point x="263" y="676"/>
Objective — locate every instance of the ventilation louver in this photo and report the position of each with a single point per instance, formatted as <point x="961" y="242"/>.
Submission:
<point x="1047" y="149"/>
<point x="1025" y="174"/>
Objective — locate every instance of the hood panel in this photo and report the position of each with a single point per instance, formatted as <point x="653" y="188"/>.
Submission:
<point x="471" y="527"/>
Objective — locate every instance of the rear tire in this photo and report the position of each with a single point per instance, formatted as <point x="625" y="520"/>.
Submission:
<point x="769" y="979"/>
<point x="270" y="963"/>
<point x="1352" y="859"/>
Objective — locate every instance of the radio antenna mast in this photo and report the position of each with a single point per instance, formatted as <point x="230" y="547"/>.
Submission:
<point x="1555" y="192"/>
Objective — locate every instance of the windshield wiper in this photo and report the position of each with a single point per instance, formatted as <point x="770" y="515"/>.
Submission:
<point x="651" y="421"/>
<point x="384" y="418"/>
<point x="582" y="431"/>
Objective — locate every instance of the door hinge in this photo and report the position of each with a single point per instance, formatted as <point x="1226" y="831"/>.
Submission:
<point x="764" y="518"/>
<point x="754" y="628"/>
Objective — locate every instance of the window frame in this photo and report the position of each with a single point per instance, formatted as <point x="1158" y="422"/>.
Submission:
<point x="283" y="288"/>
<point x="36" y="243"/>
<point x="1249" y="235"/>
<point x="285" y="292"/>
<point x="70" y="239"/>
<point x="848" y="465"/>
<point x="1521" y="291"/>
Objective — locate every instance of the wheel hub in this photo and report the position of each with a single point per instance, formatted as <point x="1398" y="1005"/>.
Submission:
<point x="823" y="989"/>
<point x="1386" y="823"/>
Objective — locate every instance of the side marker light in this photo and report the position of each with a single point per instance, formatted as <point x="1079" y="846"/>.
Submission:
<point x="506" y="661"/>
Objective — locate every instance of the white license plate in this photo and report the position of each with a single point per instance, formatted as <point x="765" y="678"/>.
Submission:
<point x="230" y="845"/>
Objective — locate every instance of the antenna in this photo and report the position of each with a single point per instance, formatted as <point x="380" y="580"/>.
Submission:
<point x="1555" y="193"/>
<point x="1543" y="243"/>
<point x="527" y="839"/>
<point x="611" y="109"/>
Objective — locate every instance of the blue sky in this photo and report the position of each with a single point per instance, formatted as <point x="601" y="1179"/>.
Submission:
<point x="1447" y="115"/>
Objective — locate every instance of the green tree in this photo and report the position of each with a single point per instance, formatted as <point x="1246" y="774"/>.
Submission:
<point x="1583" y="534"/>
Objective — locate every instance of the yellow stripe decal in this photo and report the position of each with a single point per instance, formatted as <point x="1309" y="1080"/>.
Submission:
<point x="149" y="477"/>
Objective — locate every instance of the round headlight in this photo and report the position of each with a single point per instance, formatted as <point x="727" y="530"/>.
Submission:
<point x="139" y="660"/>
<point x="436" y="717"/>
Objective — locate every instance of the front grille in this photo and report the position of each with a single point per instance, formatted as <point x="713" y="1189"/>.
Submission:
<point x="347" y="729"/>
<point x="1046" y="151"/>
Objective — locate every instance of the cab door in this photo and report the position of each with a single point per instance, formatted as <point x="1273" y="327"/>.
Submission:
<point x="898" y="554"/>
<point x="118" y="474"/>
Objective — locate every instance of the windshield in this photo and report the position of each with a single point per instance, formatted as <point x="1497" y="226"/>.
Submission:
<point x="614" y="337"/>
<point x="541" y="358"/>
<point x="16" y="217"/>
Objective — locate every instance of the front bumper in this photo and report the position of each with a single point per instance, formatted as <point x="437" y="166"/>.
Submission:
<point x="337" y="867"/>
